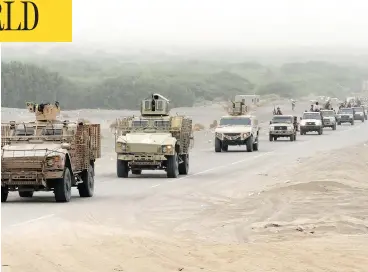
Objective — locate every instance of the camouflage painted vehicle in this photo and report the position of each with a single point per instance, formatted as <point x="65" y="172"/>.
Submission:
<point x="49" y="155"/>
<point x="153" y="141"/>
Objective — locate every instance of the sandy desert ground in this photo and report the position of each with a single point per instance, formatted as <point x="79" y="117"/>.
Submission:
<point x="293" y="206"/>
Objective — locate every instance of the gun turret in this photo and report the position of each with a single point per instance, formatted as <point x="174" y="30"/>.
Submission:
<point x="238" y="108"/>
<point x="155" y="105"/>
<point x="44" y="111"/>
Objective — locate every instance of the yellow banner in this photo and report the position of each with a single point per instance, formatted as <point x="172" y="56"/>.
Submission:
<point x="36" y="21"/>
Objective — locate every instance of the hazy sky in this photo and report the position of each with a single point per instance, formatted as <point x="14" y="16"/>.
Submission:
<point x="207" y="22"/>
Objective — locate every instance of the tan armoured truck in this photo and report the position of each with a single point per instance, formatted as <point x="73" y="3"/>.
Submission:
<point x="153" y="141"/>
<point x="238" y="128"/>
<point x="49" y="155"/>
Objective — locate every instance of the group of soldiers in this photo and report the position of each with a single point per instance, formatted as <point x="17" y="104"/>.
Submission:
<point x="351" y="103"/>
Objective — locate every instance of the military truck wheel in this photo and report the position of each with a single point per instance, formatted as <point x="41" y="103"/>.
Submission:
<point x="270" y="138"/>
<point x="136" y="171"/>
<point x="25" y="193"/>
<point x="63" y="187"/>
<point x="255" y="146"/>
<point x="122" y="169"/>
<point x="172" y="166"/>
<point x="184" y="166"/>
<point x="217" y="145"/>
<point x="250" y="144"/>
<point x="86" y="188"/>
<point x="4" y="193"/>
<point x="225" y="147"/>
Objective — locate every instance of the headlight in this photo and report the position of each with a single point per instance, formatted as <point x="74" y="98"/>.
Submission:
<point x="167" y="148"/>
<point x="272" y="128"/>
<point x="245" y="135"/>
<point x="290" y="128"/>
<point x="52" y="161"/>
<point x="121" y="146"/>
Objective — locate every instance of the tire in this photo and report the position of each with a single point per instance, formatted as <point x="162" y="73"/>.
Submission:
<point x="320" y="131"/>
<point x="172" y="166"/>
<point x="291" y="138"/>
<point x="339" y="123"/>
<point x="363" y="120"/>
<point x="352" y="123"/>
<point x="87" y="187"/>
<point x="302" y="132"/>
<point x="334" y="127"/>
<point x="225" y="148"/>
<point x="184" y="166"/>
<point x="217" y="145"/>
<point x="25" y="193"/>
<point x="250" y="144"/>
<point x="270" y="138"/>
<point x="122" y="169"/>
<point x="275" y="138"/>
<point x="63" y="187"/>
<point x="256" y="146"/>
<point x="136" y="171"/>
<point x="4" y="193"/>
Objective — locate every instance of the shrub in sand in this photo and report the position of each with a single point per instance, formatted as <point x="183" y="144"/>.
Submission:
<point x="198" y="127"/>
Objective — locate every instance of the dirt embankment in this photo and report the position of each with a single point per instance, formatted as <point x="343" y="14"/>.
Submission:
<point x="314" y="219"/>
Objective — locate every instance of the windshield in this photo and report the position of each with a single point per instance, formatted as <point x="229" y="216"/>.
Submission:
<point x="162" y="124"/>
<point x="311" y="115"/>
<point x="235" y="122"/>
<point x="139" y="123"/>
<point x="358" y="109"/>
<point x="350" y="111"/>
<point x="282" y="119"/>
<point x="328" y="113"/>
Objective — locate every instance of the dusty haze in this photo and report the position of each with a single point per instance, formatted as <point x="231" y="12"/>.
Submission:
<point x="265" y="24"/>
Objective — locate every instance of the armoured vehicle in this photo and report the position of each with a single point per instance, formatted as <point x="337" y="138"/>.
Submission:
<point x="345" y="115"/>
<point x="329" y="119"/>
<point x="282" y="126"/>
<point x="153" y="141"/>
<point x="311" y="121"/>
<point x="237" y="128"/>
<point x="359" y="114"/>
<point x="49" y="155"/>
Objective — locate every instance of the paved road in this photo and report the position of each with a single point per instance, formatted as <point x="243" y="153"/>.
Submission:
<point x="151" y="201"/>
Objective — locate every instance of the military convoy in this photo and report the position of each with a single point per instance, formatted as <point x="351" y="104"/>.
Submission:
<point x="153" y="141"/>
<point x="49" y="155"/>
<point x="236" y="129"/>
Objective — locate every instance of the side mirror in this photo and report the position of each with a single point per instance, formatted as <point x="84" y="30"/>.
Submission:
<point x="65" y="146"/>
<point x="270" y="122"/>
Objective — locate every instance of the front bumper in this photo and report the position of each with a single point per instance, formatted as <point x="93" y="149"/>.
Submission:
<point x="142" y="159"/>
<point x="31" y="178"/>
<point x="310" y="128"/>
<point x="233" y="139"/>
<point x="281" y="132"/>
